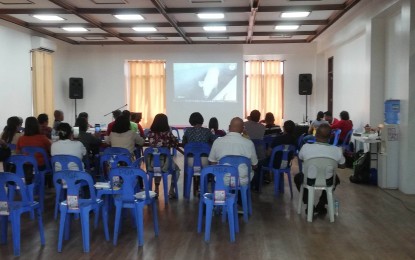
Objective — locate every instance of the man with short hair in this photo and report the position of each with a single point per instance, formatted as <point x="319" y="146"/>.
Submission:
<point x="136" y="117"/>
<point x="58" y="115"/>
<point x="43" y="120"/>
<point x="329" y="118"/>
<point x="254" y="129"/>
<point x="234" y="144"/>
<point x="321" y="148"/>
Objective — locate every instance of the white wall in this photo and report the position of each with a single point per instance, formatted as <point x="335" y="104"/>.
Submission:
<point x="15" y="74"/>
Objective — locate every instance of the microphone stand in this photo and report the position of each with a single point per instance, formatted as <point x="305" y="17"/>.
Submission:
<point x="115" y="109"/>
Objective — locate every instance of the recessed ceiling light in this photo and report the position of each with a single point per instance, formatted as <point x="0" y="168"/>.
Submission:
<point x="46" y="17"/>
<point x="211" y="15"/>
<point x="145" y="29"/>
<point x="294" y="14"/>
<point x="75" y="29"/>
<point x="214" y="28"/>
<point x="286" y="27"/>
<point x="156" y="38"/>
<point x="129" y="17"/>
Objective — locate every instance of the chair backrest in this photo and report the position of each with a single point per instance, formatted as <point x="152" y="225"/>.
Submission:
<point x="12" y="147"/>
<point x="33" y="150"/>
<point x="222" y="174"/>
<point x="196" y="150"/>
<point x="347" y="138"/>
<point x="336" y="133"/>
<point x="300" y="142"/>
<point x="175" y="132"/>
<point x="129" y="177"/>
<point x="7" y="178"/>
<point x="239" y="162"/>
<point x="116" y="150"/>
<point x="62" y="162"/>
<point x="157" y="154"/>
<point x="321" y="167"/>
<point x="281" y="156"/>
<point x="260" y="148"/>
<point x="72" y="180"/>
<point x="19" y="161"/>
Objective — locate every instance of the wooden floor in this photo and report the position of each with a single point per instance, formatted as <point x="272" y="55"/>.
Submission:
<point x="373" y="224"/>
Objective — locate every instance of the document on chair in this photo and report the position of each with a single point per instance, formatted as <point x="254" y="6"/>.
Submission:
<point x="72" y="202"/>
<point x="4" y="208"/>
<point x="219" y="197"/>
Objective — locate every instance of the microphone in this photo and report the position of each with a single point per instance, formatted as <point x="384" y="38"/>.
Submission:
<point x="115" y="109"/>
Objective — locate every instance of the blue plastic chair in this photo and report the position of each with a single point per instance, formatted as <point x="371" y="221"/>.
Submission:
<point x="12" y="147"/>
<point x="195" y="150"/>
<point x="176" y="133"/>
<point x="260" y="148"/>
<point x="66" y="162"/>
<point x="245" y="190"/>
<point x="228" y="203"/>
<point x="336" y="134"/>
<point x="19" y="161"/>
<point x="78" y="205"/>
<point x="116" y="150"/>
<point x="32" y="150"/>
<point x="288" y="152"/>
<point x="300" y="143"/>
<point x="129" y="178"/>
<point x="157" y="154"/>
<point x="108" y="161"/>
<point x="346" y="140"/>
<point x="16" y="209"/>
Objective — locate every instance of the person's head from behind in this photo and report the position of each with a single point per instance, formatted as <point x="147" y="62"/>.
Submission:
<point x="344" y="115"/>
<point x="127" y="114"/>
<point x="328" y="116"/>
<point x="31" y="126"/>
<point x="58" y="115"/>
<point x="121" y="125"/>
<point x="289" y="127"/>
<point x="323" y="133"/>
<point x="83" y="115"/>
<point x="43" y="119"/>
<point x="82" y="123"/>
<point x="213" y="123"/>
<point x="196" y="119"/>
<point x="136" y="117"/>
<point x="269" y="118"/>
<point x="64" y="131"/>
<point x="116" y="113"/>
<point x="255" y="115"/>
<point x="320" y="115"/>
<point x="236" y="125"/>
<point x="160" y="124"/>
<point x="13" y="124"/>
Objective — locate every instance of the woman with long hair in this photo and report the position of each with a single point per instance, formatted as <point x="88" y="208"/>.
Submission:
<point x="122" y="135"/>
<point x="11" y="132"/>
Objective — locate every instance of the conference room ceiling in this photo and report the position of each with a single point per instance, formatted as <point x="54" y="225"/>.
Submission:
<point x="176" y="21"/>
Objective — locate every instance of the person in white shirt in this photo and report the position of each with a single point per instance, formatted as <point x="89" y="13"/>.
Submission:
<point x="321" y="148"/>
<point x="234" y="144"/>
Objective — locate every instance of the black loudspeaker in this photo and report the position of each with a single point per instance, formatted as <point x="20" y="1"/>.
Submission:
<point x="305" y="84"/>
<point x="76" y="88"/>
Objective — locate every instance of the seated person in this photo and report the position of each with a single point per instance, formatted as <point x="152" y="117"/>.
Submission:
<point x="91" y="142"/>
<point x="197" y="133"/>
<point x="253" y="128"/>
<point x="136" y="118"/>
<point x="270" y="127"/>
<point x="214" y="127"/>
<point x="345" y="125"/>
<point x="83" y="115"/>
<point x="115" y="115"/>
<point x="58" y="115"/>
<point x="329" y="118"/>
<point x="313" y="126"/>
<point x="122" y="135"/>
<point x="321" y="148"/>
<point x="43" y="120"/>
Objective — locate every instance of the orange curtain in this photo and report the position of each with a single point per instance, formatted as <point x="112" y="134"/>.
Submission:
<point x="264" y="88"/>
<point x="147" y="81"/>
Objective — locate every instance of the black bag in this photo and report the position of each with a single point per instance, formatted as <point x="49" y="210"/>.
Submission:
<point x="361" y="167"/>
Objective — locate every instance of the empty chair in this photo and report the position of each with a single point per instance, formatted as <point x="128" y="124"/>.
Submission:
<point x="280" y="163"/>
<point x="129" y="177"/>
<point x="194" y="151"/>
<point x="62" y="162"/>
<point x="27" y="169"/>
<point x="346" y="141"/>
<point x="108" y="161"/>
<point x="11" y="210"/>
<point x="220" y="197"/>
<point x="74" y="204"/>
<point x="322" y="168"/>
<point x="47" y="170"/>
<point x="335" y="134"/>
<point x="241" y="162"/>
<point x="160" y="164"/>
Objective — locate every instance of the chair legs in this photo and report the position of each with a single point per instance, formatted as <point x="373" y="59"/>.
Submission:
<point x="310" y="204"/>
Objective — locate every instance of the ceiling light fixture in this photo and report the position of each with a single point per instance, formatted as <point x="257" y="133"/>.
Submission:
<point x="75" y="29"/>
<point x="214" y="28"/>
<point x="286" y="27"/>
<point x="47" y="17"/>
<point x="129" y="17"/>
<point x="145" y="29"/>
<point x="294" y="14"/>
<point x="211" y="15"/>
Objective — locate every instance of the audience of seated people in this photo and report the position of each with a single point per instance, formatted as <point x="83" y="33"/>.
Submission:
<point x="161" y="136"/>
<point x="344" y="124"/>
<point x="271" y="129"/>
<point x="45" y="129"/>
<point x="234" y="144"/>
<point x="122" y="135"/>
<point x="214" y="127"/>
<point x="321" y="148"/>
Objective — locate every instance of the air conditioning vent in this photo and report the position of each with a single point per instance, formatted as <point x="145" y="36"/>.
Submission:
<point x="43" y="44"/>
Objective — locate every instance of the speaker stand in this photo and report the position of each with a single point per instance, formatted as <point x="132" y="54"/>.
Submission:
<point x="76" y="115"/>
<point x="306" y="108"/>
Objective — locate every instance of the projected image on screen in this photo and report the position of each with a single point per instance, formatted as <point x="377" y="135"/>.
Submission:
<point x="208" y="82"/>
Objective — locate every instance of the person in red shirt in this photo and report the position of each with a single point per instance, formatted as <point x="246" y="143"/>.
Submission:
<point x="329" y="118"/>
<point x="345" y="125"/>
<point x="115" y="114"/>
